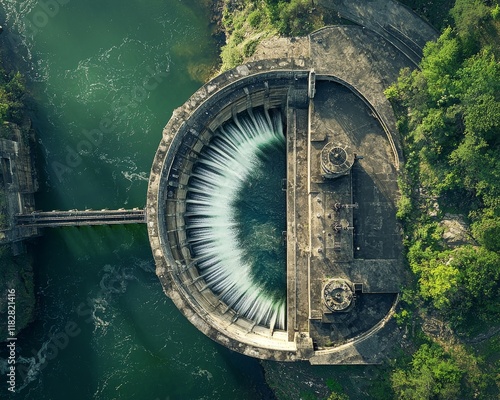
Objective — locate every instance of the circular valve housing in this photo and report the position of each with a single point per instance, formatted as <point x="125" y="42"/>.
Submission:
<point x="338" y="295"/>
<point x="336" y="160"/>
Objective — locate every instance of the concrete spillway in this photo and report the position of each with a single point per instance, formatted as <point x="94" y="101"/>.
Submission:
<point x="211" y="222"/>
<point x="216" y="141"/>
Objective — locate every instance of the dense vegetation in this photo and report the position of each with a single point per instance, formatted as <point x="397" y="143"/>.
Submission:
<point x="449" y="118"/>
<point x="247" y="22"/>
<point x="450" y="122"/>
<point x="437" y="12"/>
<point x="12" y="92"/>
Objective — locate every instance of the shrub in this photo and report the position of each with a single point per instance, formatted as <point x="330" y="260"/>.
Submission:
<point x="250" y="47"/>
<point x="255" y="18"/>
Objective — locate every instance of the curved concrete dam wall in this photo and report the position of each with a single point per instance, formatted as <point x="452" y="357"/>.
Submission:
<point x="183" y="283"/>
<point x="340" y="228"/>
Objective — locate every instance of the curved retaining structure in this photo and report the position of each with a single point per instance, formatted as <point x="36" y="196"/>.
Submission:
<point x="183" y="138"/>
<point x="276" y="83"/>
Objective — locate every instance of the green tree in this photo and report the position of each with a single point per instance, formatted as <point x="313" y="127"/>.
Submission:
<point x="470" y="17"/>
<point x="487" y="232"/>
<point x="464" y="283"/>
<point x="432" y="374"/>
<point x="438" y="281"/>
<point x="478" y="289"/>
<point x="440" y="62"/>
<point x="478" y="87"/>
<point x="12" y="93"/>
<point x="336" y="389"/>
<point x="450" y="116"/>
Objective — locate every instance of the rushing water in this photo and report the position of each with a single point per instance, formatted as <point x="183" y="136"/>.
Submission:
<point x="233" y="223"/>
<point x="106" y="76"/>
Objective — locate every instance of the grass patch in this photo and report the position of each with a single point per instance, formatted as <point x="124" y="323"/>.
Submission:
<point x="247" y="23"/>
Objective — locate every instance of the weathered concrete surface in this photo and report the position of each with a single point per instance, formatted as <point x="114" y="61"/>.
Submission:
<point x="368" y="350"/>
<point x="297" y="224"/>
<point x="282" y="47"/>
<point x="356" y="56"/>
<point x="389" y="19"/>
<point x="359" y="241"/>
<point x="353" y="66"/>
<point x="19" y="185"/>
<point x="365" y="62"/>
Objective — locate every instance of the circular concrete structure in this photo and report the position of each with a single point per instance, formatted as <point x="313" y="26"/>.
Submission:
<point x="336" y="159"/>
<point x="338" y="295"/>
<point x="181" y="278"/>
<point x="356" y="258"/>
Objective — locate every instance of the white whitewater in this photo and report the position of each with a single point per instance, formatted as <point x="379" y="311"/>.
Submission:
<point x="219" y="175"/>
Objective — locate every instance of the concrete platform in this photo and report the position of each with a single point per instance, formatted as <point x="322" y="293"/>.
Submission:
<point x="343" y="227"/>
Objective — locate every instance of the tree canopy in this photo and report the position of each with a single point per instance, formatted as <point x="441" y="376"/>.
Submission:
<point x="432" y="374"/>
<point x="449" y="116"/>
<point x="449" y="119"/>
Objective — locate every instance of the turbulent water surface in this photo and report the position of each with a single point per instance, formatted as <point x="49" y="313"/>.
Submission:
<point x="236" y="216"/>
<point x="106" y="76"/>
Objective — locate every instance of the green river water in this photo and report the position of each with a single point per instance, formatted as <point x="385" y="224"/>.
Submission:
<point x="106" y="76"/>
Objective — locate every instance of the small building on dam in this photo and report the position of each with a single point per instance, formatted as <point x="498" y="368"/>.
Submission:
<point x="321" y="99"/>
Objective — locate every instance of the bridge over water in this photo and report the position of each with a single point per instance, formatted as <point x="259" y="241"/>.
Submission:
<point x="54" y="219"/>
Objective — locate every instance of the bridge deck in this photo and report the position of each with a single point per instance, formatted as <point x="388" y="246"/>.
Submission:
<point x="53" y="219"/>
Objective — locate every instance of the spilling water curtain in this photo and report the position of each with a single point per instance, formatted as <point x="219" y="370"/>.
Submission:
<point x="235" y="212"/>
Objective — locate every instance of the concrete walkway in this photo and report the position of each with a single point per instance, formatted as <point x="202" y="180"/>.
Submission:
<point x="390" y="19"/>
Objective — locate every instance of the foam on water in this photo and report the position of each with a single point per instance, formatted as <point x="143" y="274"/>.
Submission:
<point x="134" y="176"/>
<point x="211" y="216"/>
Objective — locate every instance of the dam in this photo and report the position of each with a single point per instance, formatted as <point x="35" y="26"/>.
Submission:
<point x="320" y="100"/>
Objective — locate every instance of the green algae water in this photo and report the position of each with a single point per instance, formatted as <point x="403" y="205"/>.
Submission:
<point x="106" y="76"/>
<point x="260" y="229"/>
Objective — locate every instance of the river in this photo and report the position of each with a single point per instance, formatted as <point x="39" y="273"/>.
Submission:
<point x="105" y="77"/>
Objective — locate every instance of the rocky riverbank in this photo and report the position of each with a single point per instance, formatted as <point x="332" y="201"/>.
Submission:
<point x="17" y="186"/>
